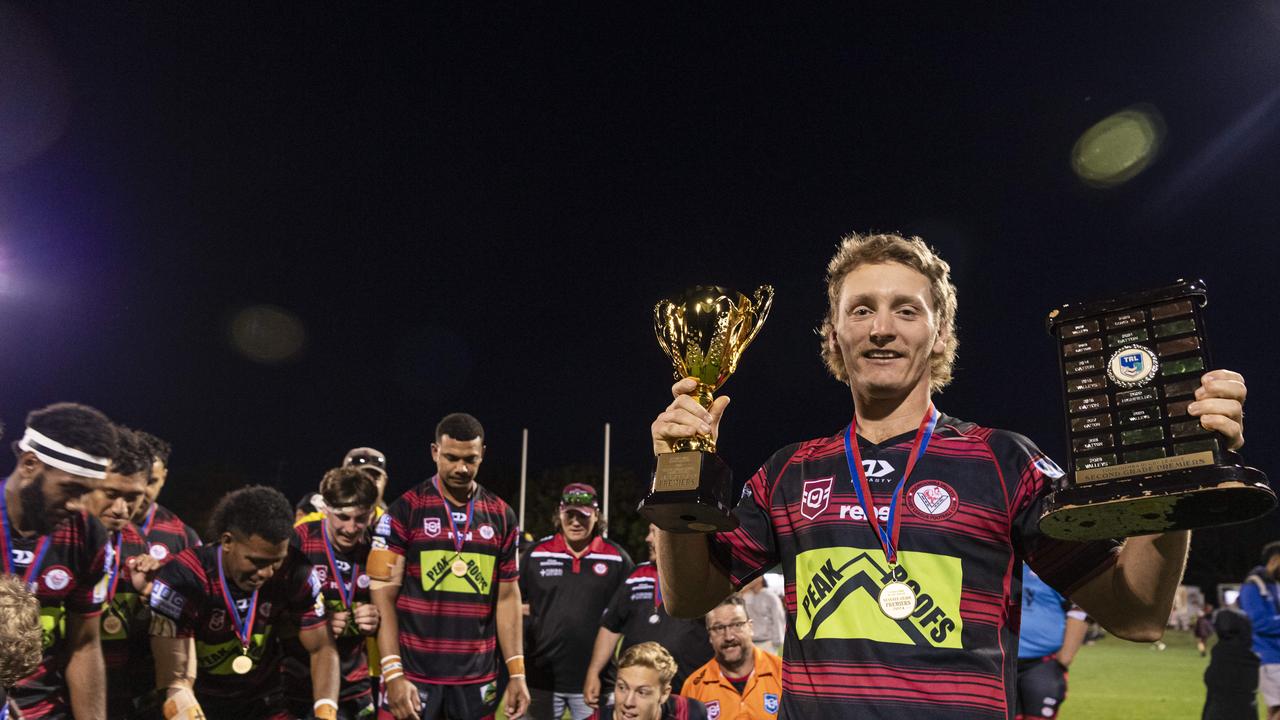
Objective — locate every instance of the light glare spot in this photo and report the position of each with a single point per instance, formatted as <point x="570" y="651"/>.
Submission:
<point x="1118" y="147"/>
<point x="267" y="334"/>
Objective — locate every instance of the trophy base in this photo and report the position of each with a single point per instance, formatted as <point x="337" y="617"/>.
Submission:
<point x="1163" y="502"/>
<point x="690" y="494"/>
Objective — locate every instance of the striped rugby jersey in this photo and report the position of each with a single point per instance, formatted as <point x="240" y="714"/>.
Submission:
<point x="969" y="517"/>
<point x="165" y="532"/>
<point x="564" y="594"/>
<point x="126" y="642"/>
<point x="188" y="592"/>
<point x="309" y="538"/>
<point x="70" y="579"/>
<point x="447" y="623"/>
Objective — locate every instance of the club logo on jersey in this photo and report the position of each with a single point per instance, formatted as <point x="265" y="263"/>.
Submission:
<point x="362" y="582"/>
<point x="817" y="493"/>
<point x="1049" y="468"/>
<point x="771" y="703"/>
<point x="217" y="619"/>
<point x="876" y="469"/>
<point x="315" y="580"/>
<point x="321" y="572"/>
<point x="599" y="568"/>
<point x="486" y="532"/>
<point x="56" y="578"/>
<point x="713" y="710"/>
<point x="158" y="551"/>
<point x="431" y="526"/>
<point x="838" y="590"/>
<point x="933" y="500"/>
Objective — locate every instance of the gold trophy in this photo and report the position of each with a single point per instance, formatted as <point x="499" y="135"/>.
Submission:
<point x="704" y="332"/>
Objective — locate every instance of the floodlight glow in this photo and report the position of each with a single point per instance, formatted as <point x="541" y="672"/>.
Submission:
<point x="1118" y="147"/>
<point x="267" y="334"/>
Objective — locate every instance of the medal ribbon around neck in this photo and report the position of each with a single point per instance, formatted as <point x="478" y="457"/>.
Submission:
<point x="113" y="577"/>
<point x="888" y="536"/>
<point x="146" y="524"/>
<point x="243" y="624"/>
<point x="7" y="539"/>
<point x="448" y="513"/>
<point x="333" y="567"/>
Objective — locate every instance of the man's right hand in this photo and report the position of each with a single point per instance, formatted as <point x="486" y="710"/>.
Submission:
<point x="591" y="690"/>
<point x="685" y="418"/>
<point x="402" y="697"/>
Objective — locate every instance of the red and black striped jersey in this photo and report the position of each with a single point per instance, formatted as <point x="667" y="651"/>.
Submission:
<point x="68" y="579"/>
<point x="562" y="590"/>
<point x="348" y="568"/>
<point x="969" y="517"/>
<point x="636" y="613"/>
<point x="188" y="592"/>
<point x="126" y="642"/>
<point x="447" y="621"/>
<point x="677" y="707"/>
<point x="165" y="532"/>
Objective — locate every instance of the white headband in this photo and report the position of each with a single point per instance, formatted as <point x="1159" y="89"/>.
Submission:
<point x="68" y="459"/>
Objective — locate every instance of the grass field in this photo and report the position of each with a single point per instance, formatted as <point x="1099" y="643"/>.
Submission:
<point x="1117" y="680"/>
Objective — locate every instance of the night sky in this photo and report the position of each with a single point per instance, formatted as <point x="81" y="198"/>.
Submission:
<point x="474" y="206"/>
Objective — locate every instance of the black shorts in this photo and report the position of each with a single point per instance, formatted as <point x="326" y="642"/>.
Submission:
<point x="478" y="701"/>
<point x="1042" y="687"/>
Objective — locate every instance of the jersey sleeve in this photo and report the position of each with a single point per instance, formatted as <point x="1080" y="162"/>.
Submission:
<point x="616" y="614"/>
<point x="94" y="561"/>
<point x="750" y="549"/>
<point x="177" y="591"/>
<point x="507" y="566"/>
<point x="1028" y="477"/>
<point x="306" y="599"/>
<point x="193" y="538"/>
<point x="392" y="529"/>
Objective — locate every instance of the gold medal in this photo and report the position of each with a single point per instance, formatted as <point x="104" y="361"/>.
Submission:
<point x="897" y="601"/>
<point x="112" y="625"/>
<point x="459" y="567"/>
<point x="242" y="665"/>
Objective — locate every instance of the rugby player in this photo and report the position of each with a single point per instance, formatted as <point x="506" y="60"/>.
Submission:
<point x="129" y="568"/>
<point x="59" y="552"/>
<point x="952" y="563"/>
<point x="217" y="612"/>
<point x="443" y="566"/>
<point x="338" y="546"/>
<point x="373" y="462"/>
<point x="567" y="578"/>
<point x="636" y="614"/>
<point x="164" y="531"/>
<point x="741" y="681"/>
<point x="643" y="690"/>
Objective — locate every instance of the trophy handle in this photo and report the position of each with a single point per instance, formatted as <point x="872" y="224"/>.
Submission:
<point x="663" y="315"/>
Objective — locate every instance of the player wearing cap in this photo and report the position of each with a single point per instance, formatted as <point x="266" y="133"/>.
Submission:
<point x="566" y="578"/>
<point x="218" y="610"/>
<point x="741" y="681"/>
<point x="444" y="575"/>
<point x="644" y="689"/>
<point x="166" y="534"/>
<point x="373" y="462"/>
<point x="636" y="613"/>
<point x="338" y="546"/>
<point x="59" y="552"/>
<point x="125" y="619"/>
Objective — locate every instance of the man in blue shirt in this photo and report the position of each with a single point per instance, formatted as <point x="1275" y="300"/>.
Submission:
<point x="1052" y="631"/>
<point x="1260" y="600"/>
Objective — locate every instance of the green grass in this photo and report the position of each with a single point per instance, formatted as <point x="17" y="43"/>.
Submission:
<point x="1117" y="680"/>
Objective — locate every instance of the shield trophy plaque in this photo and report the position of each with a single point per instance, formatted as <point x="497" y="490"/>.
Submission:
<point x="704" y="332"/>
<point x="1140" y="463"/>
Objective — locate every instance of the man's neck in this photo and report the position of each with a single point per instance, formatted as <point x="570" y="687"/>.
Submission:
<point x="458" y="496"/>
<point x="882" y="418"/>
<point x="13" y="503"/>
<point x="141" y="517"/>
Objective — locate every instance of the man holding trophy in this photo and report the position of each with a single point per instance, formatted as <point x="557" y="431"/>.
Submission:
<point x="901" y="536"/>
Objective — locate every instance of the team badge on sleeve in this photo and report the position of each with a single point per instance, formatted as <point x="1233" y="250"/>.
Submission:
<point x="771" y="703"/>
<point x="713" y="710"/>
<point x="384" y="526"/>
<point x="1049" y="468"/>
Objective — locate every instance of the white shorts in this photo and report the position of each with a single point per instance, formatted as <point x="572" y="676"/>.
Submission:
<point x="1269" y="683"/>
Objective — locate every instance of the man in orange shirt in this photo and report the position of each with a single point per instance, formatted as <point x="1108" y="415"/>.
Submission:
<point x="741" y="681"/>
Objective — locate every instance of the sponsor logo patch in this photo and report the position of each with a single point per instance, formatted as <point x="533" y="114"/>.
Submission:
<point x="771" y="703"/>
<point x="166" y="601"/>
<point x="817" y="493"/>
<point x="876" y="469"/>
<point x="23" y="558"/>
<point x="933" y="500"/>
<point x="1049" y="468"/>
<point x="384" y="526"/>
<point x="56" y="578"/>
<point x="217" y="619"/>
<point x="713" y="710"/>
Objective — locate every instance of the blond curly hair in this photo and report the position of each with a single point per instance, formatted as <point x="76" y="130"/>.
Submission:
<point x="855" y="250"/>
<point x="653" y="656"/>
<point x="21" y="640"/>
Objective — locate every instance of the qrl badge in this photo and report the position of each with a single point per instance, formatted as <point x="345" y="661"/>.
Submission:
<point x="817" y="494"/>
<point x="1132" y="366"/>
<point x="431" y="526"/>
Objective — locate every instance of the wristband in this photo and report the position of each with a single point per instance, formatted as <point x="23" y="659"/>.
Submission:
<point x="325" y="709"/>
<point x="182" y="706"/>
<point x="515" y="666"/>
<point x="391" y="668"/>
<point x="393" y="675"/>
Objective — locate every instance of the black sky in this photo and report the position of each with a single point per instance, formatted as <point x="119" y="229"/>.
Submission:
<point x="474" y="206"/>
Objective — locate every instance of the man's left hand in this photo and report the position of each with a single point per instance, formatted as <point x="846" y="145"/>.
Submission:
<point x="1219" y="404"/>
<point x="517" y="698"/>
